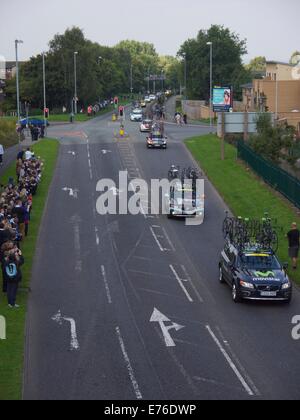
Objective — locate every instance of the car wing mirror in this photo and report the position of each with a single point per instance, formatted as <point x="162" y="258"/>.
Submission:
<point x="285" y="266"/>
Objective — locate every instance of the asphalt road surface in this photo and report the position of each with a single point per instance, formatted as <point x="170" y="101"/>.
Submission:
<point x="129" y="307"/>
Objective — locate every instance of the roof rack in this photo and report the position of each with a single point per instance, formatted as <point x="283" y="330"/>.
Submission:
<point x="247" y="233"/>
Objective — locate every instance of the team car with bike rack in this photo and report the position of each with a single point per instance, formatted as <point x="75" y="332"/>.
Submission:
<point x="249" y="264"/>
<point x="184" y="200"/>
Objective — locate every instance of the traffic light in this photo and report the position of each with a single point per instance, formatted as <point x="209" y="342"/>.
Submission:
<point x="46" y="113"/>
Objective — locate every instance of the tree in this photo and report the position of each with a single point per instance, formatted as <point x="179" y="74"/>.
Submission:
<point x="295" y="58"/>
<point x="272" y="142"/>
<point x="257" y="64"/>
<point x="228" y="69"/>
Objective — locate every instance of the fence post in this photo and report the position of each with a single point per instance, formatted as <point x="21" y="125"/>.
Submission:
<point x="246" y="127"/>
<point x="223" y="137"/>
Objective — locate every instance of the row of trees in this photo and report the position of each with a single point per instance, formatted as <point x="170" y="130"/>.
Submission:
<point x="105" y="71"/>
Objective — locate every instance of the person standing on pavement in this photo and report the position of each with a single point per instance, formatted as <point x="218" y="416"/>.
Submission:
<point x="1" y="154"/>
<point x="294" y="244"/>
<point x="13" y="264"/>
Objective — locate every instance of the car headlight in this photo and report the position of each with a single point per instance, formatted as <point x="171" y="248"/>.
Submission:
<point x="246" y="285"/>
<point x="286" y="286"/>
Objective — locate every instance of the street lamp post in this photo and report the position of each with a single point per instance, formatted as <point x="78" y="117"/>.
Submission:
<point x="210" y="85"/>
<point x="148" y="80"/>
<point x="276" y="111"/>
<point x="185" y="77"/>
<point x="131" y="79"/>
<point x="75" y="82"/>
<point x="17" y="42"/>
<point x="162" y="80"/>
<point x="44" y="86"/>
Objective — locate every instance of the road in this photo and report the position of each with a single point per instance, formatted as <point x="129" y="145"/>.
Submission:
<point x="98" y="281"/>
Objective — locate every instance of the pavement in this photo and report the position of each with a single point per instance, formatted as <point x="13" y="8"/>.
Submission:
<point x="130" y="307"/>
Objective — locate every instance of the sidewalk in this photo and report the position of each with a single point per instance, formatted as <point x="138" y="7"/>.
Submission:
<point x="10" y="154"/>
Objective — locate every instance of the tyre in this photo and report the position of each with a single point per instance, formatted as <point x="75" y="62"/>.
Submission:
<point x="236" y="294"/>
<point x="221" y="277"/>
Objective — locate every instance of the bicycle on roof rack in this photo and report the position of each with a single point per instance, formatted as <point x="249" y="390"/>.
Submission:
<point x="246" y="232"/>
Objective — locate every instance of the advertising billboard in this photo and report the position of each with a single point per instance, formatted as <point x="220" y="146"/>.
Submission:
<point x="222" y="99"/>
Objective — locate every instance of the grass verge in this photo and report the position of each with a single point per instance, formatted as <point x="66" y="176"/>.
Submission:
<point x="245" y="194"/>
<point x="12" y="349"/>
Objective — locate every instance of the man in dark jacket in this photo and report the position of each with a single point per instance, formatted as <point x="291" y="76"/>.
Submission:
<point x="13" y="265"/>
<point x="294" y="244"/>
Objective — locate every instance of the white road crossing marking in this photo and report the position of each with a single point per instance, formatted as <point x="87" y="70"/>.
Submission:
<point x="130" y="370"/>
<point x="157" y="316"/>
<point x="180" y="281"/>
<point x="230" y="362"/>
<point x="108" y="294"/>
<point x="72" y="192"/>
<point x="59" y="319"/>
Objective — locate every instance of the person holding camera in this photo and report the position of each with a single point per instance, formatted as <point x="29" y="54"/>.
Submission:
<point x="12" y="266"/>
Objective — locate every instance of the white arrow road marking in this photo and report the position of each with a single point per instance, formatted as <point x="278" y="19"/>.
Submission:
<point x="58" y="318"/>
<point x="105" y="152"/>
<point x="157" y="316"/>
<point x="72" y="192"/>
<point x="71" y="153"/>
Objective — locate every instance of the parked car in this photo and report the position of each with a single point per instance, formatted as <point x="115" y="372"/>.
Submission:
<point x="36" y="122"/>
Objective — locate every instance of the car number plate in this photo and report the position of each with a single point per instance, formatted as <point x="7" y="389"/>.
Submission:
<point x="268" y="294"/>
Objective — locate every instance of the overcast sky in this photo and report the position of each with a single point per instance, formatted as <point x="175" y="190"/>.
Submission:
<point x="270" y="26"/>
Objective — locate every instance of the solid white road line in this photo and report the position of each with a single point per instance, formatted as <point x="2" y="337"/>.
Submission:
<point x="103" y="272"/>
<point x="230" y="362"/>
<point x="181" y="283"/>
<point x="134" y="382"/>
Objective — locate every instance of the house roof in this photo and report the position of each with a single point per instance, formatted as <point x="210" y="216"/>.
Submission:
<point x="280" y="62"/>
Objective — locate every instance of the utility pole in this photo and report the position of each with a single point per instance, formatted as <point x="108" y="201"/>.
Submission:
<point x="44" y="86"/>
<point x="17" y="42"/>
<point x="75" y="81"/>
<point x="148" y="80"/>
<point x="210" y="85"/>
<point x="131" y="79"/>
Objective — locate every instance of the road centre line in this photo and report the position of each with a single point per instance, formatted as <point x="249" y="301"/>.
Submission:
<point x="133" y="380"/>
<point x="108" y="294"/>
<point x="230" y="362"/>
<point x="180" y="281"/>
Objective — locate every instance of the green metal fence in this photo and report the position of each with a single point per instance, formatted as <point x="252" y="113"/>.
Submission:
<point x="280" y="180"/>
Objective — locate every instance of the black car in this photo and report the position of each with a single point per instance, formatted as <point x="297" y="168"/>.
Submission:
<point x="254" y="274"/>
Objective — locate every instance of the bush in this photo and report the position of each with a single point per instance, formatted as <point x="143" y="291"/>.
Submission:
<point x="8" y="135"/>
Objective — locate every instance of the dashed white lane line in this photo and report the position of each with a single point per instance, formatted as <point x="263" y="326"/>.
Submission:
<point x="180" y="281"/>
<point x="108" y="294"/>
<point x="97" y="236"/>
<point x="162" y="249"/>
<point x="130" y="370"/>
<point x="188" y="278"/>
<point x="230" y="362"/>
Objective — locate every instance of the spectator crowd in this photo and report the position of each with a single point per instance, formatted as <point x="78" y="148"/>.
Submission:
<point x="16" y="200"/>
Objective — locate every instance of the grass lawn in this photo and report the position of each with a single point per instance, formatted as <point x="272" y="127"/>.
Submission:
<point x="245" y="194"/>
<point x="12" y="350"/>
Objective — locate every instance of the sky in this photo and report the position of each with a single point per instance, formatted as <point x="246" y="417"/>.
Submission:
<point x="271" y="27"/>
